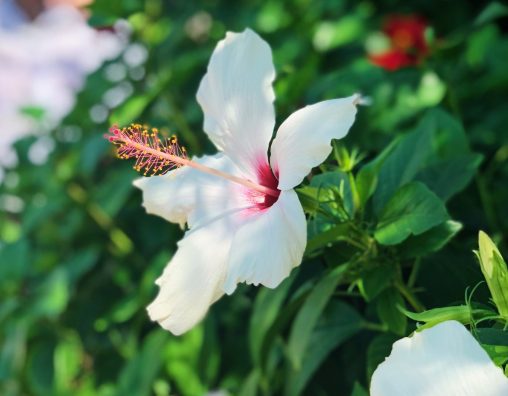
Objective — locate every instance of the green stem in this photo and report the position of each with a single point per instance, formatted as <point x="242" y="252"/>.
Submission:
<point x="375" y="326"/>
<point x="409" y="296"/>
<point x="414" y="273"/>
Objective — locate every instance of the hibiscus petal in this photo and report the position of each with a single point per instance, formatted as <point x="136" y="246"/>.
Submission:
<point x="193" y="280"/>
<point x="444" y="360"/>
<point x="269" y="244"/>
<point x="236" y="96"/>
<point x="303" y="140"/>
<point x="187" y="195"/>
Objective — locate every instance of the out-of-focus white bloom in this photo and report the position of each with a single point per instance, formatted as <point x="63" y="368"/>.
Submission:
<point x="444" y="360"/>
<point x="10" y="15"/>
<point x="43" y="64"/>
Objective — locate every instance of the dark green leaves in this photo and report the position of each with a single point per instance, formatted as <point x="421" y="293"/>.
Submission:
<point x="308" y="316"/>
<point x="338" y="323"/>
<point x="430" y="241"/>
<point x="412" y="210"/>
<point x="266" y="309"/>
<point x="388" y="306"/>
<point x="436" y="153"/>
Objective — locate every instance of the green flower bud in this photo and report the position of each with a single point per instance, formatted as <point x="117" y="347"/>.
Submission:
<point x="495" y="272"/>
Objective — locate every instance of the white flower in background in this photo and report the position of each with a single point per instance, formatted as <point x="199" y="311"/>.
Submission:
<point x="444" y="360"/>
<point x="43" y="64"/>
<point x="249" y="225"/>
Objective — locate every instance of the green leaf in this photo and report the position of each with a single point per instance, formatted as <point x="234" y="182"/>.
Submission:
<point x="359" y="390"/>
<point x="52" y="295"/>
<point x="182" y="361"/>
<point x="40" y="369"/>
<point x="67" y="359"/>
<point x="436" y="152"/>
<point x="307" y="198"/>
<point x="368" y="175"/>
<point x="266" y="309"/>
<point x="413" y="209"/>
<point x="498" y="354"/>
<point x="447" y="177"/>
<point x="250" y="385"/>
<point x="15" y="259"/>
<point x="387" y="305"/>
<point x="337" y="324"/>
<point x="139" y="373"/>
<point x="334" y="34"/>
<point x="325" y="238"/>
<point x="375" y="281"/>
<point x="309" y="314"/>
<point x="34" y="112"/>
<point x="430" y="241"/>
<point x="491" y="12"/>
<point x="12" y="353"/>
<point x="114" y="191"/>
<point x="480" y="44"/>
<point x="81" y="262"/>
<point x="403" y="163"/>
<point x="366" y="183"/>
<point x="333" y="186"/>
<point x="492" y="336"/>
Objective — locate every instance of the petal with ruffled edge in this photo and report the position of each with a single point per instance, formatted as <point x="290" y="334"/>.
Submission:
<point x="269" y="244"/>
<point x="303" y="141"/>
<point x="444" y="360"/>
<point x="193" y="280"/>
<point x="236" y="96"/>
<point x="188" y="195"/>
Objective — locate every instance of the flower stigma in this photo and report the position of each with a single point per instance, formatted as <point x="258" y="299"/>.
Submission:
<point x="156" y="155"/>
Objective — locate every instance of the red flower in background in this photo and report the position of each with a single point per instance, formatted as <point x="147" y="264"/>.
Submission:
<point x="406" y="36"/>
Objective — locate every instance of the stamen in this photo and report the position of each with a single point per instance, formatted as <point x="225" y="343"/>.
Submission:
<point x="150" y="151"/>
<point x="157" y="156"/>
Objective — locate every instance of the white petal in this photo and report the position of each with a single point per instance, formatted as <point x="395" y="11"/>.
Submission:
<point x="193" y="280"/>
<point x="187" y="195"/>
<point x="236" y="95"/>
<point x="269" y="245"/>
<point x="444" y="360"/>
<point x="303" y="141"/>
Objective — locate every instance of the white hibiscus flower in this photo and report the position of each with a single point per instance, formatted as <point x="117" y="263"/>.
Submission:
<point x="444" y="360"/>
<point x="249" y="225"/>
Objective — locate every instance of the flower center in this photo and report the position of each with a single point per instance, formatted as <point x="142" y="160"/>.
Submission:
<point x="268" y="179"/>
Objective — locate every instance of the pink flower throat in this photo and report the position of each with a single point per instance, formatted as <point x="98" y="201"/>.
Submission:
<point x="268" y="179"/>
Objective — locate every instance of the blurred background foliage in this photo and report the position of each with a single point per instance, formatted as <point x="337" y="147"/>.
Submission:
<point x="79" y="255"/>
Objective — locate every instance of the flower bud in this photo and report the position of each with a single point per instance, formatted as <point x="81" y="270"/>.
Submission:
<point x="495" y="272"/>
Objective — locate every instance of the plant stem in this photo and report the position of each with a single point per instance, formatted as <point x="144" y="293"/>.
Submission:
<point x="375" y="326"/>
<point x="409" y="296"/>
<point x="414" y="273"/>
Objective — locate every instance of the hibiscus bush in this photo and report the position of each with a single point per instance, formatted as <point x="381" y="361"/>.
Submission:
<point x="393" y="215"/>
